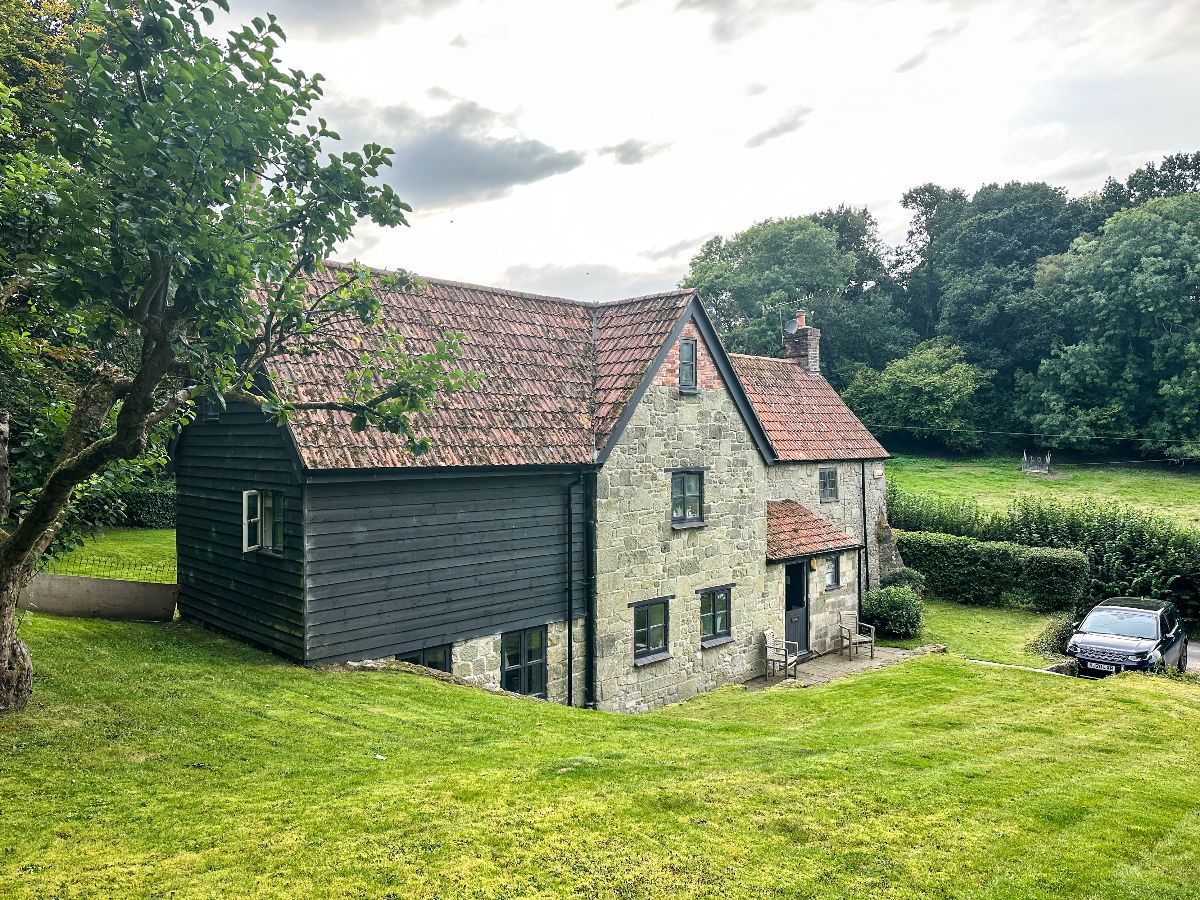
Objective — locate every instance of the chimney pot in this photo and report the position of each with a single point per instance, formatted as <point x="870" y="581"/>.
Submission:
<point x="801" y="319"/>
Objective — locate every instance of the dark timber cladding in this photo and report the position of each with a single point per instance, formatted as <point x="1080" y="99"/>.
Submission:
<point x="258" y="596"/>
<point x="401" y="563"/>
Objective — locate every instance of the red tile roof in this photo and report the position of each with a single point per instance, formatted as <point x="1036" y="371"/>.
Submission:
<point x="805" y="419"/>
<point x="793" y="530"/>
<point x="555" y="376"/>
<point x="628" y="335"/>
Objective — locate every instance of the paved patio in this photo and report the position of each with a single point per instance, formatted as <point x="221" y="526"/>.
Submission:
<point x="823" y="669"/>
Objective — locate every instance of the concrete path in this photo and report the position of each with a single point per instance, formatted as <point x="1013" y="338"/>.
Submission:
<point x="823" y="669"/>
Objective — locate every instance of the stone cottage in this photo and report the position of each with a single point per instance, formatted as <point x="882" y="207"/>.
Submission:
<point x="613" y="518"/>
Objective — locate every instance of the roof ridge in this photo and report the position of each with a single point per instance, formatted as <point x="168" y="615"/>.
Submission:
<point x="512" y="292"/>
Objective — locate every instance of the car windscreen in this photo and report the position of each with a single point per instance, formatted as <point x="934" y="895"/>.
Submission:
<point x="1123" y="622"/>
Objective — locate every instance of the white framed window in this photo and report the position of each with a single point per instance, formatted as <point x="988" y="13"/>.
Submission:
<point x="262" y="520"/>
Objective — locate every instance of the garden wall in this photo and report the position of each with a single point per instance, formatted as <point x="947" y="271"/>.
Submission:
<point x="100" y="598"/>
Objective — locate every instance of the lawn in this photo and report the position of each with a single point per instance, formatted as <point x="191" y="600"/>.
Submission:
<point x="135" y="554"/>
<point x="161" y="760"/>
<point x="995" y="482"/>
<point x="981" y="632"/>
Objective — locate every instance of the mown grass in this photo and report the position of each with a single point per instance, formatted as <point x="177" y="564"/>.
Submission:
<point x="160" y="760"/>
<point x="134" y="554"/>
<point x="994" y="483"/>
<point x="981" y="632"/>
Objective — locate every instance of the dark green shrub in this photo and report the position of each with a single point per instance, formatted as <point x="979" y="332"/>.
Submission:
<point x="1054" y="579"/>
<point x="150" y="506"/>
<point x="1053" y="639"/>
<point x="964" y="570"/>
<point x="894" y="611"/>
<point x="1129" y="552"/>
<point x="960" y="569"/>
<point x="904" y="577"/>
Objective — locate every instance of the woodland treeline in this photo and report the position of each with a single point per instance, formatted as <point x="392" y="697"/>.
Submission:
<point x="1016" y="316"/>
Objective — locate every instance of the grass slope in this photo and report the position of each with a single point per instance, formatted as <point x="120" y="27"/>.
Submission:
<point x="159" y="759"/>
<point x="981" y="632"/>
<point x="994" y="483"/>
<point x="135" y="554"/>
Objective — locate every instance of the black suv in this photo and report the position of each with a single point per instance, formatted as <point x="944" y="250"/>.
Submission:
<point x="1129" y="634"/>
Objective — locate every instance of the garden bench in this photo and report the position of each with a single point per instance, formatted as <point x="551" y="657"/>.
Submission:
<point x="854" y="634"/>
<point x="781" y="653"/>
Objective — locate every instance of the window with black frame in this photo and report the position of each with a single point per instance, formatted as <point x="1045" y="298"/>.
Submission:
<point x="687" y="366"/>
<point x="687" y="498"/>
<point x="714" y="614"/>
<point x="829" y="485"/>
<point x="833" y="572"/>
<point x="651" y="630"/>
<point x="437" y="658"/>
<point x="523" y="661"/>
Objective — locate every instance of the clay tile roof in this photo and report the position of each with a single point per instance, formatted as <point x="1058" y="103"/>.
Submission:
<point x="628" y="335"/>
<point x="555" y="376"/>
<point x="793" y="530"/>
<point x="802" y="414"/>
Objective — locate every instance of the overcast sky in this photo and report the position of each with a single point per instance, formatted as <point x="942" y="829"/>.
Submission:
<point x="587" y="148"/>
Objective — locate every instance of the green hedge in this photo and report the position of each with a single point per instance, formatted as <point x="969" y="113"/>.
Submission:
<point x="904" y="577"/>
<point x="1130" y="553"/>
<point x="152" y="506"/>
<point x="895" y="611"/>
<point x="964" y="570"/>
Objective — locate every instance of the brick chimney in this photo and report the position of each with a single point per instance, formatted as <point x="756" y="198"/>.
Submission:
<point x="802" y="343"/>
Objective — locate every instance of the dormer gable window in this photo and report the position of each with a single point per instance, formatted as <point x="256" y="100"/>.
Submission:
<point x="687" y="365"/>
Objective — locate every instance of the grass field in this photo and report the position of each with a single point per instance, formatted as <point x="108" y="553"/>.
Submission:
<point x="995" y="482"/>
<point x="135" y="554"/>
<point x="161" y="760"/>
<point x="980" y="632"/>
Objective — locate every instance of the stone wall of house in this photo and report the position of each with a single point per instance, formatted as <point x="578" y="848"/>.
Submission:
<point x="478" y="661"/>
<point x="825" y="605"/>
<point x="641" y="556"/>
<point x="800" y="482"/>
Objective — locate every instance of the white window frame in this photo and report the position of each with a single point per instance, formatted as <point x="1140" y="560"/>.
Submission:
<point x="247" y="547"/>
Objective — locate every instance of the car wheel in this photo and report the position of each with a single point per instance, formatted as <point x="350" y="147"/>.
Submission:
<point x="1183" y="658"/>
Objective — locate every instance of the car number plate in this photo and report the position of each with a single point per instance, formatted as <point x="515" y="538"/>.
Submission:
<point x="1103" y="667"/>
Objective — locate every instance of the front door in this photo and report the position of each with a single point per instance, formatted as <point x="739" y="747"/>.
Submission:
<point x="795" y="604"/>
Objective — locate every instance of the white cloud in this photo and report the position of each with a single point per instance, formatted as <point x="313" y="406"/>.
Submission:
<point x="497" y="139"/>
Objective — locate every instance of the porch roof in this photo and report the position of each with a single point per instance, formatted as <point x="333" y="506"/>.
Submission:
<point x="793" y="531"/>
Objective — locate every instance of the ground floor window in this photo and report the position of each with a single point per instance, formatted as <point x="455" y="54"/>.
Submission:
<point x="262" y="520"/>
<point x="714" y="613"/>
<point x="650" y="628"/>
<point x="523" y="661"/>
<point x="431" y="657"/>
<point x="833" y="572"/>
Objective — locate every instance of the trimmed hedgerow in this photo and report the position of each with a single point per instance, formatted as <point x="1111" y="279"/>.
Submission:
<point x="150" y="506"/>
<point x="894" y="611"/>
<point x="1129" y="552"/>
<point x="904" y="577"/>
<point x="964" y="570"/>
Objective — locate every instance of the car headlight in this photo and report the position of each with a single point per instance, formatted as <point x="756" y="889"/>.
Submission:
<point x="1072" y="647"/>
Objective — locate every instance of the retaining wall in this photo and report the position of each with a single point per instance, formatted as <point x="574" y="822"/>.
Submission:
<point x="100" y="598"/>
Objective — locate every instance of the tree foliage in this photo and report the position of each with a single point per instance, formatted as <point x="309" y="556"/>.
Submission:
<point x="1130" y="365"/>
<point x="184" y="192"/>
<point x="933" y="395"/>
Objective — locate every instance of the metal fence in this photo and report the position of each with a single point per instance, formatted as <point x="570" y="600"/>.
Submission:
<point x="98" y="565"/>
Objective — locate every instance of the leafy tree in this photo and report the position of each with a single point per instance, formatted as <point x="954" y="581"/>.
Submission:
<point x="933" y="395"/>
<point x="918" y="264"/>
<point x="857" y="233"/>
<point x="1132" y="364"/>
<point x="758" y="279"/>
<point x="1178" y="173"/>
<point x="989" y="258"/>
<point x="755" y="281"/>
<point x="34" y="40"/>
<point x="191" y="197"/>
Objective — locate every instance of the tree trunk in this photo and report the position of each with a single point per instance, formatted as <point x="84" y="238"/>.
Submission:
<point x="5" y="494"/>
<point x="16" y="668"/>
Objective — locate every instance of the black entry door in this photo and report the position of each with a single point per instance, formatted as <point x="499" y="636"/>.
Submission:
<point x="795" y="604"/>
